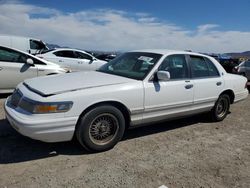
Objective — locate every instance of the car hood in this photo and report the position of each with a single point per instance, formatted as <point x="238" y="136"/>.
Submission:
<point x="56" y="84"/>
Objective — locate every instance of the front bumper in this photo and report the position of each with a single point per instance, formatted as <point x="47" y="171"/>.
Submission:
<point x="45" y="129"/>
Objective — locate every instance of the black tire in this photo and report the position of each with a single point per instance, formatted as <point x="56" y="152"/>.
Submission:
<point x="221" y="108"/>
<point x="101" y="128"/>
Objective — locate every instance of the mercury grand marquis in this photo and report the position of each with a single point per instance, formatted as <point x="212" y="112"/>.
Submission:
<point x="138" y="87"/>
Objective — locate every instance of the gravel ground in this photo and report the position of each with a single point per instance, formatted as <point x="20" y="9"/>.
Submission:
<point x="191" y="152"/>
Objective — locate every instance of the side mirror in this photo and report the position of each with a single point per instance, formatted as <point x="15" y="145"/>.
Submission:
<point x="163" y="75"/>
<point x="92" y="60"/>
<point x="30" y="61"/>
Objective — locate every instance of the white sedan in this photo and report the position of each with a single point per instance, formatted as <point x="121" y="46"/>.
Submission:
<point x="138" y="87"/>
<point x="16" y="66"/>
<point x="76" y="60"/>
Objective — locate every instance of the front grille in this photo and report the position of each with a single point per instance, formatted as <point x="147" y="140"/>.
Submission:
<point x="15" y="98"/>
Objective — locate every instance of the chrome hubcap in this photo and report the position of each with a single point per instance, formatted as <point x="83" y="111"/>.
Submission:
<point x="103" y="129"/>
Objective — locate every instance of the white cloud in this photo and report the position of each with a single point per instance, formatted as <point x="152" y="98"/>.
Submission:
<point x="114" y="30"/>
<point x="206" y="28"/>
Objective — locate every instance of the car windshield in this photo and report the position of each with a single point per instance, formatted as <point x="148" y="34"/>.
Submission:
<point x="135" y="65"/>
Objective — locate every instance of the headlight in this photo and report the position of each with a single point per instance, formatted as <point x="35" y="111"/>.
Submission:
<point x="43" y="108"/>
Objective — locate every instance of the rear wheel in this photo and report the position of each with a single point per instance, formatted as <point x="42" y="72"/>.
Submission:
<point x="101" y="128"/>
<point x="221" y="108"/>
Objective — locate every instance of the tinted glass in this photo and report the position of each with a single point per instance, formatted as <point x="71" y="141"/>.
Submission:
<point x="212" y="68"/>
<point x="12" y="56"/>
<point x="36" y="45"/>
<point x="83" y="56"/>
<point x="37" y="62"/>
<point x="135" y="65"/>
<point x="247" y="64"/>
<point x="199" y="67"/>
<point x="176" y="65"/>
<point x="65" y="53"/>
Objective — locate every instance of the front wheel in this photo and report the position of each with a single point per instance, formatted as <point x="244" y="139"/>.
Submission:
<point x="221" y="108"/>
<point x="101" y="128"/>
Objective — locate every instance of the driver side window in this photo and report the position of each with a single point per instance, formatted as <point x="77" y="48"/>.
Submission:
<point x="176" y="65"/>
<point x="80" y="55"/>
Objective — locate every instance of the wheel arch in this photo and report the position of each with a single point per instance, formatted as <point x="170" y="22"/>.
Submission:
<point x="231" y="95"/>
<point x="120" y="106"/>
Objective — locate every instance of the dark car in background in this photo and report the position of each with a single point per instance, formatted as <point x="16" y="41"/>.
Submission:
<point x="243" y="69"/>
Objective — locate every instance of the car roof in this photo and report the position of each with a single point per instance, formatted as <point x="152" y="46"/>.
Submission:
<point x="70" y="49"/>
<point x="167" y="51"/>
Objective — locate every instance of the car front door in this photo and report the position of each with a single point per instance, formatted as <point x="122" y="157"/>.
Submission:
<point x="85" y="61"/>
<point x="14" y="69"/>
<point x="66" y="58"/>
<point x="208" y="84"/>
<point x="167" y="99"/>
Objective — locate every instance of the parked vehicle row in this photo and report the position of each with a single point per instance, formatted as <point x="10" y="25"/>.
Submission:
<point x="76" y="60"/>
<point x="16" y="66"/>
<point x="138" y="87"/>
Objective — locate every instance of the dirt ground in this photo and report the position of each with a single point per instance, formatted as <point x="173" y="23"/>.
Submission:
<point x="191" y="152"/>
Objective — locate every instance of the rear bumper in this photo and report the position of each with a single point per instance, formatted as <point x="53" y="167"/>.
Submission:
<point x="46" y="130"/>
<point x="241" y="96"/>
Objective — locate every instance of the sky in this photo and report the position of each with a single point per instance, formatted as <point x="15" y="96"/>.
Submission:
<point x="205" y="26"/>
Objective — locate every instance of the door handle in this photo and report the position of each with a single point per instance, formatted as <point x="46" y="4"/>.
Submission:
<point x="1" y="68"/>
<point x="218" y="83"/>
<point x="60" y="60"/>
<point x="189" y="86"/>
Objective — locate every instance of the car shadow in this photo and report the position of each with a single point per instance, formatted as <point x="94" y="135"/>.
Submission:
<point x="15" y="148"/>
<point x="4" y="96"/>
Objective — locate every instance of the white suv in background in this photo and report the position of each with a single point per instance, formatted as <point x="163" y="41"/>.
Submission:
<point x="76" y="60"/>
<point x="16" y="66"/>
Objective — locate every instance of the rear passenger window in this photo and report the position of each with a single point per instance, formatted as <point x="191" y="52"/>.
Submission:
<point x="212" y="68"/>
<point x="176" y="65"/>
<point x="202" y="67"/>
<point x="199" y="67"/>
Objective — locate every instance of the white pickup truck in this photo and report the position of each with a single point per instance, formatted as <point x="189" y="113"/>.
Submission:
<point x="30" y="45"/>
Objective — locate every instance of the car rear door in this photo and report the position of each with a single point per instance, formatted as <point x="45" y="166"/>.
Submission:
<point x="13" y="68"/>
<point x="171" y="98"/>
<point x="208" y="83"/>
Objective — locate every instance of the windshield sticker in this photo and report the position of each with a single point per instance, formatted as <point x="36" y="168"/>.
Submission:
<point x="144" y="58"/>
